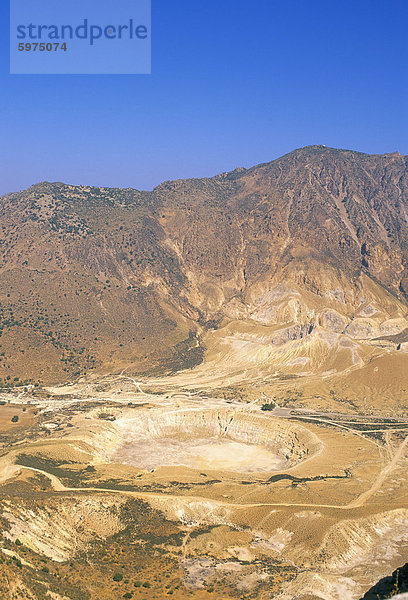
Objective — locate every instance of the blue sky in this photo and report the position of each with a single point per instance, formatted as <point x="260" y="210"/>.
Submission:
<point x="233" y="84"/>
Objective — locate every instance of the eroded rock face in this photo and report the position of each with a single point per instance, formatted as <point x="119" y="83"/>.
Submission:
<point x="331" y="320"/>
<point x="354" y="542"/>
<point x="61" y="528"/>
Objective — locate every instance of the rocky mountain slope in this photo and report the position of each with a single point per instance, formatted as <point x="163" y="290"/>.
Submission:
<point x="291" y="269"/>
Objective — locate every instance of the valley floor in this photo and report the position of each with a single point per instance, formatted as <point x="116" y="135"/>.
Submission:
<point x="325" y="520"/>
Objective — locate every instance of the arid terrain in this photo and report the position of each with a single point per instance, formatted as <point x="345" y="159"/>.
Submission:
<point x="204" y="388"/>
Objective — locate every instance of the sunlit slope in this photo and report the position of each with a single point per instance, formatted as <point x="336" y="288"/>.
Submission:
<point x="295" y="268"/>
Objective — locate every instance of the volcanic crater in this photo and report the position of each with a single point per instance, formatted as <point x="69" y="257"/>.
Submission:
<point x="212" y="439"/>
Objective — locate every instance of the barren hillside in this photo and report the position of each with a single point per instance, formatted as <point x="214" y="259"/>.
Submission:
<point x="293" y="268"/>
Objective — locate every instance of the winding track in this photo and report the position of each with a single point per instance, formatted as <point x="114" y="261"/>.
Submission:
<point x="356" y="503"/>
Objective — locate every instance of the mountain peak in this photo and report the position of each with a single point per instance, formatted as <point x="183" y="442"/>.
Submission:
<point x="326" y="224"/>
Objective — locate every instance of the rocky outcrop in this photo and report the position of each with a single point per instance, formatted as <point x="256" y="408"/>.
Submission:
<point x="388" y="587"/>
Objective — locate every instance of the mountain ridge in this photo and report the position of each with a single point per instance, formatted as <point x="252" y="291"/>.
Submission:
<point x="102" y="279"/>
<point x="239" y="169"/>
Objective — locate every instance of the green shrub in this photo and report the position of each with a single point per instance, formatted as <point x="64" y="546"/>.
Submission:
<point x="118" y="577"/>
<point x="268" y="406"/>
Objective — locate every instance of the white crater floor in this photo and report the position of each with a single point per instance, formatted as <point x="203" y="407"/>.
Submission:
<point x="205" y="453"/>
